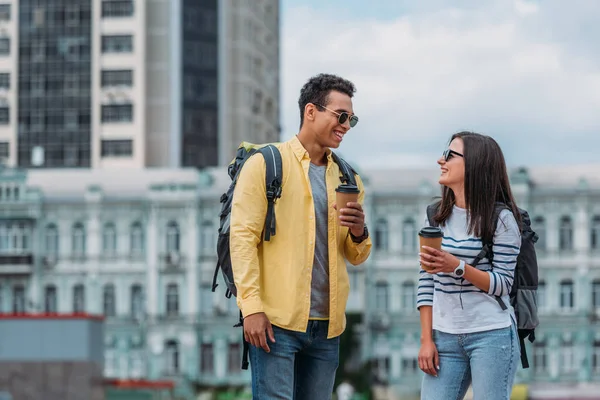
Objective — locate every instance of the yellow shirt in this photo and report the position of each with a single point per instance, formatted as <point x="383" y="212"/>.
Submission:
<point x="275" y="277"/>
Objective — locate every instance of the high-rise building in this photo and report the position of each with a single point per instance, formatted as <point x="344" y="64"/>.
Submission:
<point x="136" y="83"/>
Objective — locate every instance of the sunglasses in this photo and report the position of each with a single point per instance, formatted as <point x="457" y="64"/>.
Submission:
<point x="448" y="154"/>
<point x="343" y="116"/>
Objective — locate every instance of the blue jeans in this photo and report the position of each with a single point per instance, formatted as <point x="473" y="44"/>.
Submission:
<point x="301" y="365"/>
<point x="486" y="360"/>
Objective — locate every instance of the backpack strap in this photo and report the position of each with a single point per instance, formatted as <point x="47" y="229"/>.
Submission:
<point x="488" y="248"/>
<point x="273" y="182"/>
<point x="432" y="209"/>
<point x="347" y="171"/>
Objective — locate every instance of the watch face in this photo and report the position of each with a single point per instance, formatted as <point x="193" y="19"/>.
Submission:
<point x="459" y="272"/>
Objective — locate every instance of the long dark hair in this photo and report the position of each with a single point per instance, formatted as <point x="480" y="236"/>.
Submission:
<point x="486" y="183"/>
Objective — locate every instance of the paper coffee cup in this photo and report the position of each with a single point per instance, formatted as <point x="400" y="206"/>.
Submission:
<point x="430" y="236"/>
<point x="344" y="194"/>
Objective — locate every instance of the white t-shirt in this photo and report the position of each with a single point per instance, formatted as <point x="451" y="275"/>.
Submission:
<point x="480" y="311"/>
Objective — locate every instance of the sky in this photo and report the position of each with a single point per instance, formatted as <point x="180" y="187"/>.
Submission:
<point x="525" y="72"/>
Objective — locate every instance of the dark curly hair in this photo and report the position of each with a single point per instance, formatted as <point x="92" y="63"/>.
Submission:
<point x="317" y="89"/>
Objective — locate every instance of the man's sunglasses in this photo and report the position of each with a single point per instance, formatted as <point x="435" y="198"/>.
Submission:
<point x="343" y="116"/>
<point x="448" y="154"/>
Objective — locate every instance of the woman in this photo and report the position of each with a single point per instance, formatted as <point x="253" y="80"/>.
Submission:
<point x="466" y="336"/>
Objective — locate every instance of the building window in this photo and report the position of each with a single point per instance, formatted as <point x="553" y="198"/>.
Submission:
<point x="596" y="358"/>
<point x="541" y="296"/>
<point x="381" y="296"/>
<point x="137" y="301"/>
<point x="78" y="245"/>
<point x="18" y="299"/>
<point x="112" y="113"/>
<point x="70" y="155"/>
<point x="595" y="238"/>
<point x="566" y="295"/>
<point x="109" y="300"/>
<point x="207" y="299"/>
<point x="381" y="234"/>
<point x="38" y="51"/>
<point x="566" y="234"/>
<point x="71" y="119"/>
<point x="539" y="226"/>
<point x="381" y="369"/>
<point x="50" y="299"/>
<point x="78" y="298"/>
<point x="409" y="300"/>
<point x="540" y="358"/>
<point x="207" y="359"/>
<point x="4" y="12"/>
<point x="567" y="357"/>
<point x="172" y="299"/>
<point x="38" y="86"/>
<point x="117" y="148"/>
<point x="409" y="236"/>
<point x="111" y="78"/>
<point x="172" y="237"/>
<point x="37" y="120"/>
<point x="15" y="237"/>
<point x="117" y="43"/>
<point x="72" y="15"/>
<point x="136" y="239"/>
<point x="171" y="357"/>
<point x="5" y="80"/>
<point x="51" y="239"/>
<point x="596" y="294"/>
<point x="4" y="46"/>
<point x="208" y="237"/>
<point x="4" y="116"/>
<point x="117" y="8"/>
<point x="71" y="84"/>
<point x="4" y="151"/>
<point x="234" y="358"/>
<point x="410" y="365"/>
<point x="109" y="239"/>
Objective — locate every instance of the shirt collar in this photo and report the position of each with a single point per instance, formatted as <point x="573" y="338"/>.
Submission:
<point x="301" y="152"/>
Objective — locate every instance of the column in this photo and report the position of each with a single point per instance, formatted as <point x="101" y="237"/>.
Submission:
<point x="552" y="231"/>
<point x="151" y="261"/>
<point x="192" y="262"/>
<point x="553" y="350"/>
<point x="36" y="237"/>
<point x="93" y="236"/>
<point x="220" y="356"/>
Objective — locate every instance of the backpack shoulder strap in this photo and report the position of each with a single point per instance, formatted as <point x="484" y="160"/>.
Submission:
<point x="273" y="181"/>
<point x="432" y="209"/>
<point x="347" y="171"/>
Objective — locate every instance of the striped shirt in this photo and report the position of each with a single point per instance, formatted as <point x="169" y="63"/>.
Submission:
<point x="458" y="305"/>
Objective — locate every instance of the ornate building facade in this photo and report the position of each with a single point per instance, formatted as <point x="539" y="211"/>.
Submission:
<point x="139" y="247"/>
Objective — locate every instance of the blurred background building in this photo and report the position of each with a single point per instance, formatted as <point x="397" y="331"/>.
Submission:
<point x="134" y="84"/>
<point x="139" y="248"/>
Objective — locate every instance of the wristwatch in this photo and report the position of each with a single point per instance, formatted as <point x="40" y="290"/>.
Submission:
<point x="361" y="238"/>
<point x="460" y="270"/>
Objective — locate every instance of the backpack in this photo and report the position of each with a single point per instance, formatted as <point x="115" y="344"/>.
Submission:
<point x="274" y="190"/>
<point x="523" y="295"/>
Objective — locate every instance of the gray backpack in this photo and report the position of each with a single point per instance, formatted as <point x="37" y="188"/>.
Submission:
<point x="523" y="295"/>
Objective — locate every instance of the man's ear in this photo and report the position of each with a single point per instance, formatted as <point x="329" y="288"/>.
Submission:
<point x="310" y="111"/>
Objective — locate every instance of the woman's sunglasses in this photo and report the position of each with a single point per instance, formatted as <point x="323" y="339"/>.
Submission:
<point x="448" y="154"/>
<point x="343" y="116"/>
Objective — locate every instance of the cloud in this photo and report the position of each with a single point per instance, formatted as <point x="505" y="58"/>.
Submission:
<point x="507" y="69"/>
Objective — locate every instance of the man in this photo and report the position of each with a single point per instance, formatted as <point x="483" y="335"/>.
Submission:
<point x="293" y="289"/>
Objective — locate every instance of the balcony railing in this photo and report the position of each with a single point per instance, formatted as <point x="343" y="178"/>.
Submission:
<point x="16" y="263"/>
